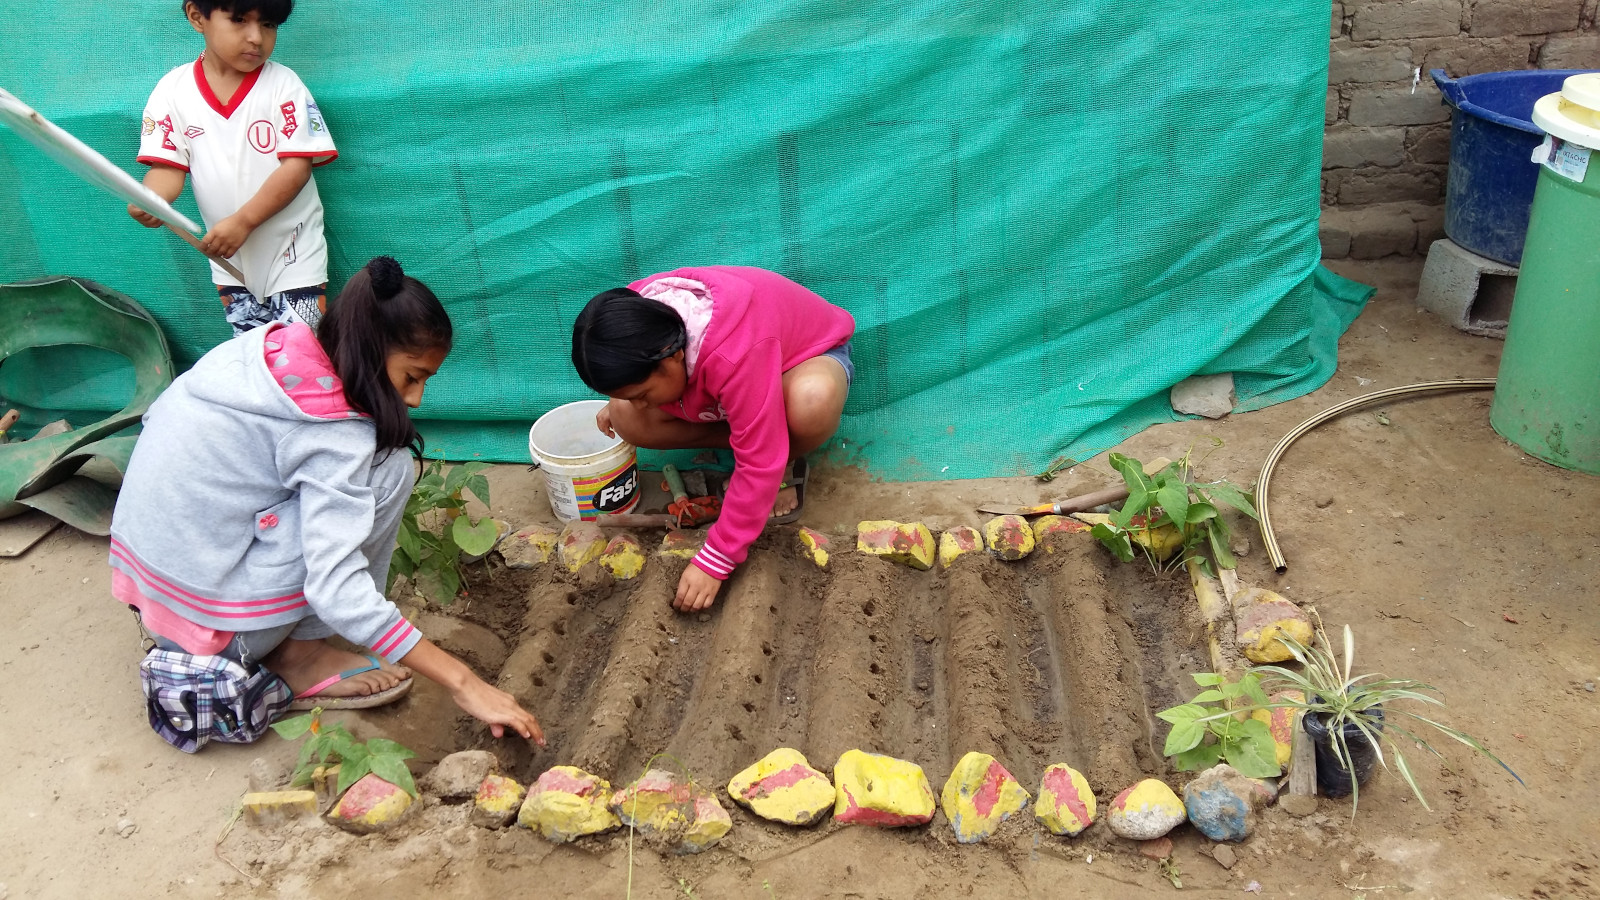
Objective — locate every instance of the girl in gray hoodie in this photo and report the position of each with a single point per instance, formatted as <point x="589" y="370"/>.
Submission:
<point x="260" y="508"/>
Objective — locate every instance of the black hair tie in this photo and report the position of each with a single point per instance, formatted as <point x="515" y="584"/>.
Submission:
<point x="386" y="275"/>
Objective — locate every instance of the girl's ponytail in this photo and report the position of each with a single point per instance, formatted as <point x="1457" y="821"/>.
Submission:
<point x="382" y="310"/>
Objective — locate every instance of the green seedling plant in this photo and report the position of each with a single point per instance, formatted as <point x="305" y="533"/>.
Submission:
<point x="436" y="533"/>
<point x="1215" y="727"/>
<point x="333" y="744"/>
<point x="1364" y="701"/>
<point x="1168" y="497"/>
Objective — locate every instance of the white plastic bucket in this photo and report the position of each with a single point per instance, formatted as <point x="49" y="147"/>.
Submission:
<point x="586" y="473"/>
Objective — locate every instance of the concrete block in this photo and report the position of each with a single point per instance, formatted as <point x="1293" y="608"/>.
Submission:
<point x="1331" y="111"/>
<point x="957" y="542"/>
<point x="871" y="789"/>
<point x="1383" y="230"/>
<point x="1470" y="56"/>
<point x="1008" y="537"/>
<point x="532" y="546"/>
<point x="814" y="546"/>
<point x="1428" y="144"/>
<point x="1350" y="63"/>
<point x="1066" y="805"/>
<point x="1571" y="51"/>
<point x="680" y="544"/>
<point x="1386" y="186"/>
<point x="623" y="557"/>
<point x="1396" y="105"/>
<point x="1204" y="395"/>
<point x="371" y="804"/>
<point x="1146" y="811"/>
<point x="1335" y="238"/>
<point x="1492" y="18"/>
<point x="567" y="803"/>
<point x="1261" y="618"/>
<point x="979" y="796"/>
<point x="581" y="544"/>
<point x="458" y="776"/>
<point x="783" y="787"/>
<point x="1349" y="147"/>
<point x="1473" y="293"/>
<point x="497" y="802"/>
<point x="907" y="543"/>
<point x="1413" y="19"/>
<point x="271" y="808"/>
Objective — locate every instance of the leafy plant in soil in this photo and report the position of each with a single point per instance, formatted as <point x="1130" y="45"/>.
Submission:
<point x="1365" y="702"/>
<point x="333" y="744"/>
<point x="1169" y="497"/>
<point x="436" y="533"/>
<point x="1206" y="730"/>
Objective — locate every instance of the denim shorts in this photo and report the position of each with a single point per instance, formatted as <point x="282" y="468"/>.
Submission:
<point x="842" y="354"/>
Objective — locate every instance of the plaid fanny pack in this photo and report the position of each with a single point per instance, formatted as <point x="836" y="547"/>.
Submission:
<point x="195" y="699"/>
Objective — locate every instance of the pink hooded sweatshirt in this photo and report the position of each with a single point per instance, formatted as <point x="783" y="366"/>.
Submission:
<point x="746" y="326"/>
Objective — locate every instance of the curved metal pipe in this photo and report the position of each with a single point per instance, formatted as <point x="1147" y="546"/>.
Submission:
<point x="1332" y="412"/>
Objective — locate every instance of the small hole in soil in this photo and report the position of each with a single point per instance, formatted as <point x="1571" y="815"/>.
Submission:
<point x="537" y="681"/>
<point x="661" y="627"/>
<point x="749" y="707"/>
<point x="649" y="680"/>
<point x="773" y="610"/>
<point x="766" y="649"/>
<point x="871" y="696"/>
<point x="572" y="599"/>
<point x="638" y="703"/>
<point x="548" y="659"/>
<point x="869" y="607"/>
<point x="756" y="678"/>
<point x="560" y="628"/>
<point x="875" y="669"/>
<point x="873" y="638"/>
<point x="735" y="733"/>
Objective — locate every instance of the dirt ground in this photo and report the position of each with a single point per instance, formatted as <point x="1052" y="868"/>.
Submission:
<point x="1457" y="560"/>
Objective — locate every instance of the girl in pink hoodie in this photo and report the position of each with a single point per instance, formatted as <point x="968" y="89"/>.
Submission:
<point x="720" y="356"/>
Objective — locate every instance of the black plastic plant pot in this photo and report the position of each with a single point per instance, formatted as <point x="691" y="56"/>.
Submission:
<point x="1333" y="779"/>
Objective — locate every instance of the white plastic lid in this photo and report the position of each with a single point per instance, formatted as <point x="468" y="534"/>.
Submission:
<point x="1574" y="113"/>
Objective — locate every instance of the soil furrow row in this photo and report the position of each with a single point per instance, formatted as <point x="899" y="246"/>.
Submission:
<point x="847" y="683"/>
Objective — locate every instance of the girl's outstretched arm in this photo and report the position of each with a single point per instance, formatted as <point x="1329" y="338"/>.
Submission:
<point x="477" y="697"/>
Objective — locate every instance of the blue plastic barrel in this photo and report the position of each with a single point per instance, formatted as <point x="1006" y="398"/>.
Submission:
<point x="1492" y="137"/>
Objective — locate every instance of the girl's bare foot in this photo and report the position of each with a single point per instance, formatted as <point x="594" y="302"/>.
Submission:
<point x="788" y="499"/>
<point x="306" y="664"/>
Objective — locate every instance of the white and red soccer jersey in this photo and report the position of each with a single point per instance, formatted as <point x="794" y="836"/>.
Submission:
<point x="229" y="150"/>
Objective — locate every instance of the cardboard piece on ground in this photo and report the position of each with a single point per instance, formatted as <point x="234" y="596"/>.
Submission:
<point x="19" y="533"/>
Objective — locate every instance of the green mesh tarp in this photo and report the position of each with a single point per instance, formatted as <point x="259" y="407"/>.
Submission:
<point x="1042" y="216"/>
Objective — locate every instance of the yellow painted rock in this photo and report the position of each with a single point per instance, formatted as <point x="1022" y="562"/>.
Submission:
<point x="680" y="544"/>
<point x="1281" y="722"/>
<point x="623" y="557"/>
<point x="671" y="811"/>
<point x="908" y="543"/>
<point x="497" y="802"/>
<point x="581" y="544"/>
<point x="1009" y="537"/>
<point x="1146" y="811"/>
<point x="979" y="795"/>
<point x="782" y="787"/>
<point x="1260" y="617"/>
<point x="532" y="546"/>
<point x="371" y="804"/>
<point x="814" y="544"/>
<point x="567" y="803"/>
<point x="277" y="807"/>
<point x="1050" y="530"/>
<point x="1161" y="542"/>
<point x="958" y="541"/>
<point x="871" y="789"/>
<point x="1065" y="804"/>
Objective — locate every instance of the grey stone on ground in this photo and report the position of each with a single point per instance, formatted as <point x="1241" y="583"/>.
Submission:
<point x="457" y="777"/>
<point x="1204" y="395"/>
<point x="1224" y="856"/>
<point x="1298" y="804"/>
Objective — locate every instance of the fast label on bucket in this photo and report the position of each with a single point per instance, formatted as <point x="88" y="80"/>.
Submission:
<point x="609" y="492"/>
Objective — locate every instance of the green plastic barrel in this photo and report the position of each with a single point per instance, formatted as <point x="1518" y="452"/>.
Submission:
<point x="1547" y="399"/>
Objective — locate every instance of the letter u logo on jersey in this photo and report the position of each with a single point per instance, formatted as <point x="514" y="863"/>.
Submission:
<point x="262" y="136"/>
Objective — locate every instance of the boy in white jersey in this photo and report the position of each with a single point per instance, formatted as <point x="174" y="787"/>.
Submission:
<point x="248" y="132"/>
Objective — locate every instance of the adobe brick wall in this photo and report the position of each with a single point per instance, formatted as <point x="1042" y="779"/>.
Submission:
<point x="1386" y="148"/>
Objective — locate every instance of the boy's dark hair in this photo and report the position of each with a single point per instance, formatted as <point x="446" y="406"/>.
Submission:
<point x="275" y="11"/>
<point x="620" y="338"/>
<point x="382" y="310"/>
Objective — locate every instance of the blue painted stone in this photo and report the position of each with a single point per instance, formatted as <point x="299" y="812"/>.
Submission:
<point x="1220" y="805"/>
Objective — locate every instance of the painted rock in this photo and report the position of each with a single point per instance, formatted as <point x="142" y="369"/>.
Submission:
<point x="980" y="795"/>
<point x="498" y="800"/>
<point x="1066" y="805"/>
<point x="1260" y="617"/>
<point x="1009" y="537"/>
<point x="532" y="546"/>
<point x="680" y="544"/>
<point x="1051" y="530"/>
<point x="671" y="811"/>
<point x="1146" y="811"/>
<point x="567" y="803"/>
<point x="1281" y="722"/>
<point x="1162" y="542"/>
<point x="623" y="557"/>
<point x="957" y="542"/>
<point x="458" y="776"/>
<point x="371" y="804"/>
<point x="782" y="787"/>
<point x="277" y="807"/>
<point x="581" y="544"/>
<point x="1222" y="803"/>
<point x="814" y="544"/>
<point x="907" y="543"/>
<point x="872" y="789"/>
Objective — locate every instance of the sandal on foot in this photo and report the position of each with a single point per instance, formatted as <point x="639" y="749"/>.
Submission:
<point x="311" y="697"/>
<point x="796" y="480"/>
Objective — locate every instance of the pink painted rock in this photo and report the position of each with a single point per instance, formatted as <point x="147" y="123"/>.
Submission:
<point x="672" y="812"/>
<point x="530" y="547"/>
<point x="979" y="796"/>
<point x="680" y="544"/>
<point x="958" y="542"/>
<point x="1009" y="537"/>
<point x="815" y="546"/>
<point x="371" y="804"/>
<point x="1146" y="811"/>
<point x="907" y="543"/>
<point x="872" y="789"/>
<point x="1066" y="805"/>
<point x="581" y="544"/>
<point x="1051" y="531"/>
<point x="496" y="802"/>
<point x="782" y="787"/>
<point x="567" y="803"/>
